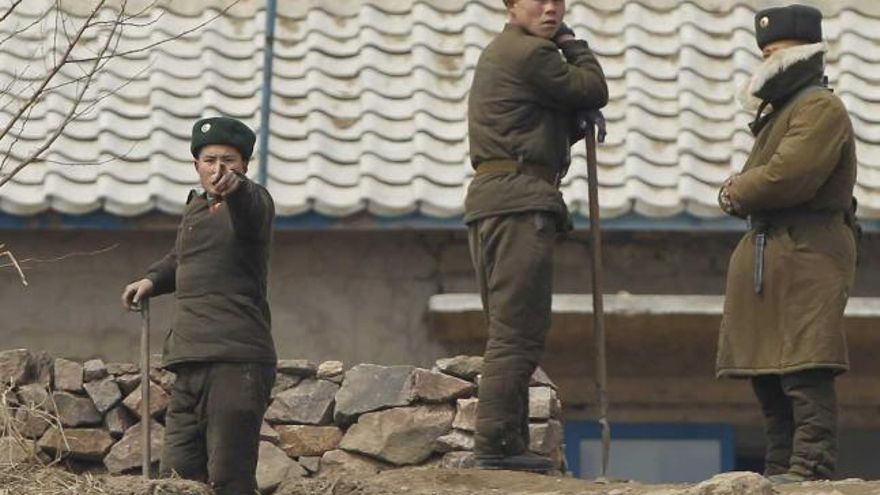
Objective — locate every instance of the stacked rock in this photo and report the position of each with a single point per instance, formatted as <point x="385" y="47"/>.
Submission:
<point x="322" y="418"/>
<point x="87" y="413"/>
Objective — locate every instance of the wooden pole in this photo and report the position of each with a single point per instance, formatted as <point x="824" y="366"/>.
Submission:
<point x="598" y="307"/>
<point x="145" y="387"/>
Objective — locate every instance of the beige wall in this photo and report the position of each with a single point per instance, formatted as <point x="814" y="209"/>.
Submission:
<point x="355" y="296"/>
<point x="341" y="296"/>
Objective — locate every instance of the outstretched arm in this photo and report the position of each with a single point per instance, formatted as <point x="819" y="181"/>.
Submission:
<point x="252" y="210"/>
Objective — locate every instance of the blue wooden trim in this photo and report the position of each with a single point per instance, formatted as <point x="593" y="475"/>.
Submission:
<point x="681" y="222"/>
<point x="575" y="431"/>
<point x="314" y="220"/>
<point x="58" y="221"/>
<point x="266" y="96"/>
<point x="414" y="221"/>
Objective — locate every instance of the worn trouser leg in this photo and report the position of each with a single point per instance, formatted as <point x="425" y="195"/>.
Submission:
<point x="513" y="258"/>
<point x="213" y="424"/>
<point x="814" y="403"/>
<point x="778" y="422"/>
<point x="183" y="448"/>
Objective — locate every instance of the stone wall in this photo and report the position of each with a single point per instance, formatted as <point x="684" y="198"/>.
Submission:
<point x="322" y="418"/>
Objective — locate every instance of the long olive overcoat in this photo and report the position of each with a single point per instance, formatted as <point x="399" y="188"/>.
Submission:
<point x="800" y="174"/>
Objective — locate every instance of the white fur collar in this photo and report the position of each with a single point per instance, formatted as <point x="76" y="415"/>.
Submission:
<point x="778" y="62"/>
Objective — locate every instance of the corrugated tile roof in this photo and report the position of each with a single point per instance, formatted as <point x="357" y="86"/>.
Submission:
<point x="369" y="104"/>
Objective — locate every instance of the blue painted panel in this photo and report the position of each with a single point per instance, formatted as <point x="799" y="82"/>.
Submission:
<point x="578" y="431"/>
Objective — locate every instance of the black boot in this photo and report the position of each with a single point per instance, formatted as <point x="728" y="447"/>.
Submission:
<point x="527" y="461"/>
<point x="786" y="478"/>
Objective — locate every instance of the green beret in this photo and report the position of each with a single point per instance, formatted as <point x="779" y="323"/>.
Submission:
<point x="795" y="22"/>
<point x="222" y="130"/>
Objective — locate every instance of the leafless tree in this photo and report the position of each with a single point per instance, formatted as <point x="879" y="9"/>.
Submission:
<point x="52" y="58"/>
<point x="80" y="40"/>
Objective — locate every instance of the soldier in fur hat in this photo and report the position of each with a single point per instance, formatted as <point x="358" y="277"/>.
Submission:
<point x="790" y="275"/>
<point x="220" y="345"/>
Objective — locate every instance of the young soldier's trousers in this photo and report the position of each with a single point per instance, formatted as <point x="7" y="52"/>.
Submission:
<point x="212" y="427"/>
<point x="513" y="258"/>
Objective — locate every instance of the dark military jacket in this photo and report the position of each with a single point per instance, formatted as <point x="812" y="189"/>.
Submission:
<point x="217" y="271"/>
<point x="522" y="107"/>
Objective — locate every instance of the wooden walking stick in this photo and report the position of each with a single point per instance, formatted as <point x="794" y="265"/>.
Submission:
<point x="144" y="308"/>
<point x="595" y="120"/>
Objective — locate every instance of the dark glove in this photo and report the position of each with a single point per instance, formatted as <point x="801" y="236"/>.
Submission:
<point x="588" y="118"/>
<point x="562" y="31"/>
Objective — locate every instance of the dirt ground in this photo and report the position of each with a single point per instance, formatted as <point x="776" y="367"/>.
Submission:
<point x="413" y="481"/>
<point x="421" y="481"/>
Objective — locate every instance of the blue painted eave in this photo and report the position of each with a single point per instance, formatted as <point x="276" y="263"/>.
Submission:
<point x="316" y="221"/>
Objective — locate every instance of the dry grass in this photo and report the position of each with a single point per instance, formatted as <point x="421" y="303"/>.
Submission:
<point x="36" y="474"/>
<point x="29" y="478"/>
<point x="11" y="425"/>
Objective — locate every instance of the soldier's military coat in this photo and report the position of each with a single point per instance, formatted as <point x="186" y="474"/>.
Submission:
<point x="799" y="178"/>
<point x="217" y="270"/>
<point x="522" y="107"/>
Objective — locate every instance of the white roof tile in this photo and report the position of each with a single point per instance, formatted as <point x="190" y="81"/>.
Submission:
<point x="370" y="99"/>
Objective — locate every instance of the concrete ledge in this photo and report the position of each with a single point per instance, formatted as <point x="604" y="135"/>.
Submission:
<point x="623" y="304"/>
<point x="661" y="356"/>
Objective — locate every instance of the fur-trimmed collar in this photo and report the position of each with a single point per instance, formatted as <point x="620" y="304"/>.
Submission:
<point x="776" y="64"/>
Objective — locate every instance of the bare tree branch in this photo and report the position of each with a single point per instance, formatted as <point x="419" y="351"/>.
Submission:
<point x="112" y="158"/>
<point x="70" y="43"/>
<point x="16" y="139"/>
<point x="17" y="32"/>
<point x="167" y="39"/>
<point x="70" y="115"/>
<point x="14" y="263"/>
<point x="74" y="254"/>
<point x="10" y="9"/>
<point x="49" y="77"/>
<point x="60" y="27"/>
<point x="7" y="94"/>
<point x="126" y="21"/>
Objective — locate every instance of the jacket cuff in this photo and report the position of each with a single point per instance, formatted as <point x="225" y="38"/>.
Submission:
<point x="158" y="287"/>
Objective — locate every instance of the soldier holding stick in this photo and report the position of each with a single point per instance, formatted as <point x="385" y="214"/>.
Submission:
<point x="220" y="345"/>
<point x="529" y="85"/>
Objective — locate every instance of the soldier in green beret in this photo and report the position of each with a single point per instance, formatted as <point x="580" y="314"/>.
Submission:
<point x="529" y="85"/>
<point x="220" y="345"/>
<point x="790" y="275"/>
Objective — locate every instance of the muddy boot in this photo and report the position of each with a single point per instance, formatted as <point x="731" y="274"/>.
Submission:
<point x="778" y="423"/>
<point x="814" y="402"/>
<point x="786" y="478"/>
<point x="528" y="461"/>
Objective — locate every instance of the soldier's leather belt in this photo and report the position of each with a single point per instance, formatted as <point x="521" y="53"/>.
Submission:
<point x="512" y="166"/>
<point x="763" y="222"/>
